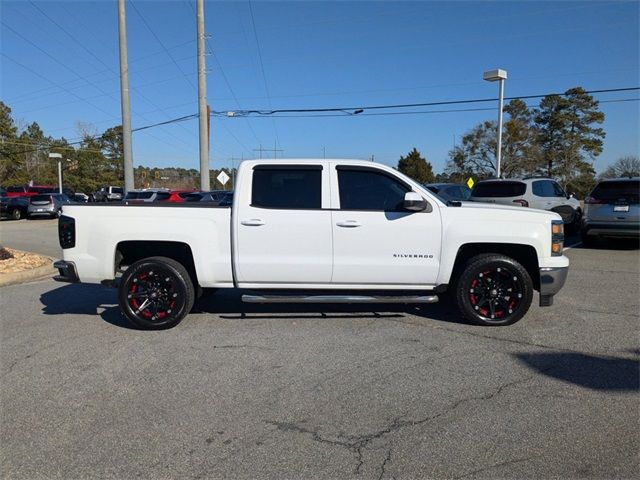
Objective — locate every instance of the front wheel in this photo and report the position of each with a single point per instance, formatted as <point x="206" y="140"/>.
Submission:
<point x="156" y="293"/>
<point x="494" y="290"/>
<point x="16" y="214"/>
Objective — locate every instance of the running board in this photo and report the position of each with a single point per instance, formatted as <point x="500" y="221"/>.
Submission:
<point x="338" y="299"/>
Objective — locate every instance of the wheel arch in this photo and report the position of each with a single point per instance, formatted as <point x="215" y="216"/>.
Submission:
<point x="526" y="255"/>
<point x="130" y="251"/>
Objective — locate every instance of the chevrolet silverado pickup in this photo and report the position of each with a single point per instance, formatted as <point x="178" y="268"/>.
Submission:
<point x="317" y="231"/>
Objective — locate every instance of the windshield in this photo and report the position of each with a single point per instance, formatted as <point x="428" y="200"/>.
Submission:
<point x="628" y="190"/>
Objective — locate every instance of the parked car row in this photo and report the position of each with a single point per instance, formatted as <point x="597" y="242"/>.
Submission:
<point x="41" y="205"/>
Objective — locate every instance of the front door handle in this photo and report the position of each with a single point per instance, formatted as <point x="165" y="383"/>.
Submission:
<point x="348" y="224"/>
<point x="254" y="222"/>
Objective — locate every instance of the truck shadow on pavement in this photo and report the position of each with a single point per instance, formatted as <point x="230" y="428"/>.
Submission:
<point x="90" y="299"/>
<point x="588" y="371"/>
<point x="84" y="299"/>
<point x="228" y="305"/>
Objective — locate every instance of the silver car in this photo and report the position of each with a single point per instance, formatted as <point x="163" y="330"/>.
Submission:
<point x="534" y="192"/>
<point x="612" y="209"/>
<point x="47" y="205"/>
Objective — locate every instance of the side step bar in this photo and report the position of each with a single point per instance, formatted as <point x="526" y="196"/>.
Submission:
<point x="338" y="299"/>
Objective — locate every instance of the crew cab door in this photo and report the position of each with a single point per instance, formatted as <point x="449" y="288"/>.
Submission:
<point x="377" y="242"/>
<point x="282" y="233"/>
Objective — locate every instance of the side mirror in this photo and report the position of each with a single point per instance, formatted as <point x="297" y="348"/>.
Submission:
<point x="414" y="202"/>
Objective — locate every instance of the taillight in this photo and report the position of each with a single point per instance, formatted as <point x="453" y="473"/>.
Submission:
<point x="521" y="202"/>
<point x="592" y="201"/>
<point x="67" y="231"/>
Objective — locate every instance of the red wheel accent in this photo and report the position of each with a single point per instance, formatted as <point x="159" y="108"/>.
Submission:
<point x="495" y="293"/>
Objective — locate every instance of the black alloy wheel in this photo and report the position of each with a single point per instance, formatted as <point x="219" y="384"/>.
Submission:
<point x="156" y="293"/>
<point x="494" y="290"/>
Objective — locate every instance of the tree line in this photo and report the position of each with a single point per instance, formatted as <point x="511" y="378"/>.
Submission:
<point x="94" y="161"/>
<point x="560" y="138"/>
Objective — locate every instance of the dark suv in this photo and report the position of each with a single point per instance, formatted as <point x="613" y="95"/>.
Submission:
<point x="612" y="210"/>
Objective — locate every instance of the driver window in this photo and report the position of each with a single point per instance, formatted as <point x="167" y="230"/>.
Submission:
<point x="370" y="190"/>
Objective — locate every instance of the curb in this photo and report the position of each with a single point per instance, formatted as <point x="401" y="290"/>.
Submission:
<point x="38" y="273"/>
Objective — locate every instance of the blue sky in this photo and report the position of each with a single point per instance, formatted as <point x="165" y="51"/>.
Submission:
<point x="60" y="68"/>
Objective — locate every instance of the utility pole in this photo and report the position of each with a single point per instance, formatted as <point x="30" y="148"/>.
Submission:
<point x="124" y="99"/>
<point x="205" y="183"/>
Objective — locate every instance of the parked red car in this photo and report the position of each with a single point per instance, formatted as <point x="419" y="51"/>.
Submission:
<point x="30" y="191"/>
<point x="179" y="195"/>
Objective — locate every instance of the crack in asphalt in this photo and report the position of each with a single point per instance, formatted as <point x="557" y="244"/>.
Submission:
<point x="40" y="350"/>
<point x="384" y="464"/>
<point x="496" y="465"/>
<point x="357" y="443"/>
<point x="488" y="337"/>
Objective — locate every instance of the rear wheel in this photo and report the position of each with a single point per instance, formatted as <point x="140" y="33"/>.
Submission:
<point x="156" y="293"/>
<point x="16" y="214"/>
<point x="494" y="290"/>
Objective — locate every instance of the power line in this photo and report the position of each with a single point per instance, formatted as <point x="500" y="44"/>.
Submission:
<point x="264" y="77"/>
<point x="162" y="45"/>
<point x="418" y="112"/>
<point x="224" y="76"/>
<point x="74" y="72"/>
<point x="347" y="110"/>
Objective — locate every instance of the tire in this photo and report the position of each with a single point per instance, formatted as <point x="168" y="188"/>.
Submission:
<point x="16" y="214"/>
<point x="574" y="226"/>
<point x="493" y="290"/>
<point x="163" y="285"/>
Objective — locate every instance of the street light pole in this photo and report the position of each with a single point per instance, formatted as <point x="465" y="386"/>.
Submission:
<point x="59" y="157"/>
<point x="500" y="76"/>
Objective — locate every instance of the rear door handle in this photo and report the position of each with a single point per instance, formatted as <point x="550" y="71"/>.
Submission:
<point x="348" y="224"/>
<point x="254" y="222"/>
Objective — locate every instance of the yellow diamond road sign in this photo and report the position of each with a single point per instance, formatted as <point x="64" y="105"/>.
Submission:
<point x="470" y="182"/>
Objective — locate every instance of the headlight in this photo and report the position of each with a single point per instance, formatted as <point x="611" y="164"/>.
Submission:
<point x="557" y="237"/>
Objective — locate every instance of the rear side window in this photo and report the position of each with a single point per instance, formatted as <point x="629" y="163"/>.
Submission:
<point x="287" y="187"/>
<point x="193" y="197"/>
<point x="628" y="190"/>
<point x="162" y="196"/>
<point x="499" y="189"/>
<point x="116" y="190"/>
<point x="543" y="188"/>
<point x="370" y="190"/>
<point x="16" y="189"/>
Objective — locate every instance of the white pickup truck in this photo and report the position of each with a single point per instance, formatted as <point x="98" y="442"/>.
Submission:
<point x="317" y="231"/>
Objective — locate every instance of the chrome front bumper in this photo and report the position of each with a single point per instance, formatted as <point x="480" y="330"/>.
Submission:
<point x="551" y="281"/>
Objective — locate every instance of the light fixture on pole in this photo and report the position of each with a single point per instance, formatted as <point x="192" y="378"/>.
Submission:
<point x="59" y="157"/>
<point x="501" y="76"/>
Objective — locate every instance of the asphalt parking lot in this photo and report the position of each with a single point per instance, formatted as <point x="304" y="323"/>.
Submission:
<point x="249" y="391"/>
